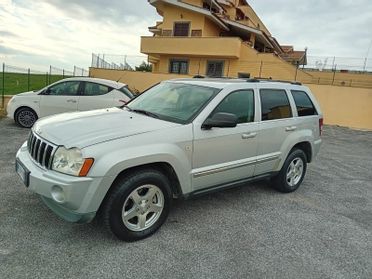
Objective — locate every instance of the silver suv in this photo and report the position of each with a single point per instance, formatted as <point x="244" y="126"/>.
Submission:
<point x="179" y="139"/>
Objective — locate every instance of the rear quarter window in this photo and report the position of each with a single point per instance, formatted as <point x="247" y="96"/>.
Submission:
<point x="95" y="89"/>
<point x="304" y="105"/>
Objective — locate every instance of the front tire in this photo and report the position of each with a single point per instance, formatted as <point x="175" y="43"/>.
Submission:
<point x="292" y="173"/>
<point x="25" y="117"/>
<point x="138" y="204"/>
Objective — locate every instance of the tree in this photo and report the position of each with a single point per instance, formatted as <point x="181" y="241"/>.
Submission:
<point x="144" y="67"/>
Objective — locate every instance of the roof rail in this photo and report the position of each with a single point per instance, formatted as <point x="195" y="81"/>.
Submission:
<point x="279" y="80"/>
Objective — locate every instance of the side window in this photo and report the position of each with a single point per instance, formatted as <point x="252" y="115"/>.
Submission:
<point x="274" y="104"/>
<point x="67" y="88"/>
<point x="127" y="92"/>
<point x="95" y="89"/>
<point x="305" y="106"/>
<point x="240" y="103"/>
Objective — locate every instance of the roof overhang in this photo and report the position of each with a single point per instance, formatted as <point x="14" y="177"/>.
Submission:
<point x="247" y="29"/>
<point x="196" y="9"/>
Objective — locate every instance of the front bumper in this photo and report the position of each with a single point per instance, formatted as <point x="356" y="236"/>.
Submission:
<point x="73" y="201"/>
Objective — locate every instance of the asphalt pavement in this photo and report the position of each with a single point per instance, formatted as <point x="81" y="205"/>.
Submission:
<point x="323" y="230"/>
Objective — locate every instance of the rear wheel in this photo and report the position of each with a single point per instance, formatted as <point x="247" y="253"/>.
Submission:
<point x="138" y="205"/>
<point x="292" y="173"/>
<point x="25" y="117"/>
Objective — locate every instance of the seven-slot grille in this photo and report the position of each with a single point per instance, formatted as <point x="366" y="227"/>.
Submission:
<point x="40" y="150"/>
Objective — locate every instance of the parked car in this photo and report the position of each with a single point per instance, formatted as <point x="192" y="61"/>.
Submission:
<point x="71" y="94"/>
<point x="179" y="139"/>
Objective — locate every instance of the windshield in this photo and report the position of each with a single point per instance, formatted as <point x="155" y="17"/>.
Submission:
<point x="174" y="102"/>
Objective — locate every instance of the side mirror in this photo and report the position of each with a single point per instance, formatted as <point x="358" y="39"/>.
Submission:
<point x="221" y="120"/>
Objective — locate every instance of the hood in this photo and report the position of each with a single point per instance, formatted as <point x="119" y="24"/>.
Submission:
<point x="82" y="129"/>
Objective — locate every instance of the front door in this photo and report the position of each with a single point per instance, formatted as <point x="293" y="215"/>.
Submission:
<point x="226" y="154"/>
<point x="59" y="98"/>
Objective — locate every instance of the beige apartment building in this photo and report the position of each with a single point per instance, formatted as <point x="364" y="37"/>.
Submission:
<point x="216" y="38"/>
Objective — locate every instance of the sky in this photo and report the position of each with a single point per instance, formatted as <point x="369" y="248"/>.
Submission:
<point x="64" y="33"/>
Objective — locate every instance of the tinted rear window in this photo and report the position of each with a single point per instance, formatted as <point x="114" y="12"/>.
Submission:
<point x="274" y="104"/>
<point x="305" y="106"/>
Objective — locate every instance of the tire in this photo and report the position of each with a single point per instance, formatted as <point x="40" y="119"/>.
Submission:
<point x="131" y="196"/>
<point x="25" y="117"/>
<point x="292" y="173"/>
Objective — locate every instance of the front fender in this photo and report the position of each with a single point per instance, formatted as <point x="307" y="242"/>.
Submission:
<point x="112" y="163"/>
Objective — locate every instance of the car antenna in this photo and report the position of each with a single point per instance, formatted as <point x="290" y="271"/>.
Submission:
<point x="119" y="79"/>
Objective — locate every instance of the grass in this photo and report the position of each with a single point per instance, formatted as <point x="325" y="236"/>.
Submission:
<point x="17" y="83"/>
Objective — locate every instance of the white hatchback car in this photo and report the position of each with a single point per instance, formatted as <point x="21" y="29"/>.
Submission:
<point x="71" y="94"/>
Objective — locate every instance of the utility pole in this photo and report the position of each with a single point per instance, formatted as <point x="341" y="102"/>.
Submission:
<point x="366" y="59"/>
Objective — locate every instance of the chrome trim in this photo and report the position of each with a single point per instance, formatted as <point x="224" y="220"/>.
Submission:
<point x="269" y="158"/>
<point x="236" y="165"/>
<point x="224" y="168"/>
<point x="36" y="142"/>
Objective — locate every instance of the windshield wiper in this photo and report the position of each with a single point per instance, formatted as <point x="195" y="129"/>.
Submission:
<point x="126" y="106"/>
<point x="145" y="112"/>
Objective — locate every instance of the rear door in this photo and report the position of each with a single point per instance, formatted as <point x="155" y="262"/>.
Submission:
<point x="96" y="96"/>
<point x="60" y="97"/>
<point x="277" y="123"/>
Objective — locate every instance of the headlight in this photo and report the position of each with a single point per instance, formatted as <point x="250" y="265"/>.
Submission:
<point x="70" y="161"/>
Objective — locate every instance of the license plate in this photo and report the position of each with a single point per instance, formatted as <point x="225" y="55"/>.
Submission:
<point x="23" y="172"/>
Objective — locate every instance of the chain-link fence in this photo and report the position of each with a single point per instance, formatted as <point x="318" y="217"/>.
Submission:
<point x="330" y="63"/>
<point x="117" y="62"/>
<point x="14" y="80"/>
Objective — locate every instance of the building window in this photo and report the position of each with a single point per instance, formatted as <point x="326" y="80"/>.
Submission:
<point x="179" y="66"/>
<point x="215" y="68"/>
<point x="196" y="33"/>
<point x="181" y="29"/>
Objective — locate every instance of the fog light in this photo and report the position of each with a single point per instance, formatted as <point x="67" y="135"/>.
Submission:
<point x="58" y="194"/>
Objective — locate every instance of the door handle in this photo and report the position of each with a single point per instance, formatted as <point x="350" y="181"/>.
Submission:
<point x="249" y="135"/>
<point x="290" y="128"/>
<point x="71" y="100"/>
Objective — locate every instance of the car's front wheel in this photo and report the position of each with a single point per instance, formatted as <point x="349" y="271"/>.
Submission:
<point x="138" y="204"/>
<point x="25" y="117"/>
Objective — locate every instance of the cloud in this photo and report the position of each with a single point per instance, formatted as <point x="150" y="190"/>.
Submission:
<point x="327" y="28"/>
<point x="64" y="33"/>
<point x="4" y="33"/>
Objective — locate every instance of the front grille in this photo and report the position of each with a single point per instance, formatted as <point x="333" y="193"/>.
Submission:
<point x="40" y="150"/>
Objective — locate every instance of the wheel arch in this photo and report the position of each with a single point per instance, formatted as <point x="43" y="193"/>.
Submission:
<point x="26" y="107"/>
<point x="163" y="167"/>
<point x="306" y="147"/>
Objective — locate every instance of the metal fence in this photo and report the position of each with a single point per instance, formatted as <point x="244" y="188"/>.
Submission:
<point x="15" y="80"/>
<point x="324" y="63"/>
<point x="117" y="62"/>
<point x="352" y="72"/>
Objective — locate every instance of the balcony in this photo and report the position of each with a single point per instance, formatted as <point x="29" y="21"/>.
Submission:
<point x="224" y="47"/>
